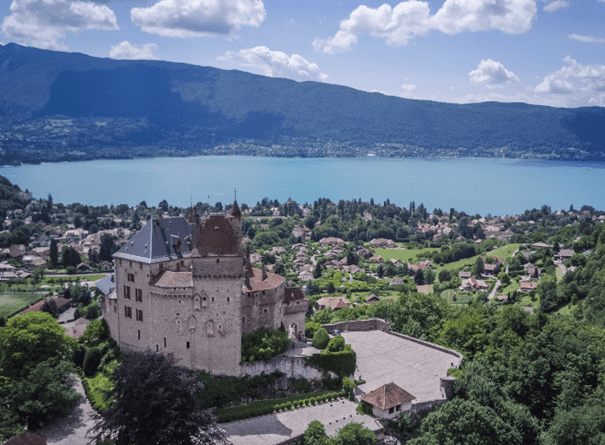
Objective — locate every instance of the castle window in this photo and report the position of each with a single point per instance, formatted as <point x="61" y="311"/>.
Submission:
<point x="127" y="312"/>
<point x="179" y="301"/>
<point x="157" y="348"/>
<point x="228" y="299"/>
<point x="265" y="310"/>
<point x="127" y="292"/>
<point x="164" y="341"/>
<point x="188" y="345"/>
<point x="263" y="292"/>
<point x="139" y="334"/>
<point x="210" y="329"/>
<point x="218" y="260"/>
<point x="141" y="266"/>
<point x="115" y="308"/>
<point x="138" y="295"/>
<point x="130" y="263"/>
<point x="212" y="298"/>
<point x="139" y="315"/>
<point x="243" y="319"/>
<point x="196" y="302"/>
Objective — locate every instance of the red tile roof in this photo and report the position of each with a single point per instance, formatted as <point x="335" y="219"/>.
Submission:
<point x="387" y="396"/>
<point x="27" y="438"/>
<point x="295" y="294"/>
<point x="334" y="302"/>
<point x="217" y="238"/>
<point x="258" y="284"/>
<point x="168" y="278"/>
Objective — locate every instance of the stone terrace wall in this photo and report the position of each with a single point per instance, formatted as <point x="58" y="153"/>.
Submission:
<point x="451" y="352"/>
<point x="372" y="324"/>
<point x="426" y="406"/>
<point x="291" y="366"/>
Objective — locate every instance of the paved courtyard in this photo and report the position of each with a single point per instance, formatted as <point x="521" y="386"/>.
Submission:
<point x="276" y="428"/>
<point x="383" y="358"/>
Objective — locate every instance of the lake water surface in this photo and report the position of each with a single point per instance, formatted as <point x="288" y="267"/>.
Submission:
<point x="495" y="186"/>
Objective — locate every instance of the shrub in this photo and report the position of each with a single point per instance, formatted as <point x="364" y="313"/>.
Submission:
<point x="321" y="339"/>
<point x="312" y="401"/>
<point x="289" y="405"/>
<point x="264" y="344"/>
<point x="336" y="344"/>
<point x="92" y="360"/>
<point x="311" y="327"/>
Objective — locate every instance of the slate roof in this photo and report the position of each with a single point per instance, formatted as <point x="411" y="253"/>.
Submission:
<point x="388" y="396"/>
<point x="170" y="279"/>
<point x="155" y="242"/>
<point x="106" y="284"/>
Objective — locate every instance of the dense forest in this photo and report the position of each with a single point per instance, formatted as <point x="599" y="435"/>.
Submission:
<point x="60" y="106"/>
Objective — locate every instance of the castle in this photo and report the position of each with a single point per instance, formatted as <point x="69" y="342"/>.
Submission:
<point x="186" y="288"/>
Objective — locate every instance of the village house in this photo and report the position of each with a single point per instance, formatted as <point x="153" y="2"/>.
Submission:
<point x="330" y="241"/>
<point x="373" y="299"/>
<point x="465" y="274"/>
<point x="473" y="284"/>
<point x="388" y="400"/>
<point x="383" y="242"/>
<point x="528" y="286"/>
<point x="335" y="303"/>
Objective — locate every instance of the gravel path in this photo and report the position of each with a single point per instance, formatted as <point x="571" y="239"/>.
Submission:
<point x="73" y="429"/>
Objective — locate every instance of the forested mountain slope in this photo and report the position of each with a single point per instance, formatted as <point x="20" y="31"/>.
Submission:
<point x="118" y="108"/>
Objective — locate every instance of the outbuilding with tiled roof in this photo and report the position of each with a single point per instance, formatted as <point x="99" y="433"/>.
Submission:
<point x="388" y="400"/>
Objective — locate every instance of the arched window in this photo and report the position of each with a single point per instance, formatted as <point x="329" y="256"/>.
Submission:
<point x="192" y="322"/>
<point x="197" y="302"/>
<point x="210" y="328"/>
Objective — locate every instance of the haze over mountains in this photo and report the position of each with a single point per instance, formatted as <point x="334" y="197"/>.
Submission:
<point x="66" y="106"/>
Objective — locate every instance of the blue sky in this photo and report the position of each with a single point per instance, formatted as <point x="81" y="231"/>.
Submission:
<point x="548" y="52"/>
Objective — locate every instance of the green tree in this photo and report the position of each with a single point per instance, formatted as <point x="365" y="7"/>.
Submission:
<point x="315" y="434"/>
<point x="318" y="270"/>
<point x="466" y="422"/>
<point x="92" y="359"/>
<point x="54" y="253"/>
<point x="47" y="392"/>
<point x="336" y="344"/>
<point x="429" y="276"/>
<point x="321" y="339"/>
<point x="355" y="434"/>
<point x="28" y="340"/>
<point x="479" y="267"/>
<point x="323" y="316"/>
<point x="156" y="402"/>
<point x="107" y="248"/>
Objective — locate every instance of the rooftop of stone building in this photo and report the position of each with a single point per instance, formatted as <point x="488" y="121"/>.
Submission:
<point x="258" y="284"/>
<point x="159" y="240"/>
<point x="169" y="279"/>
<point x="388" y="396"/>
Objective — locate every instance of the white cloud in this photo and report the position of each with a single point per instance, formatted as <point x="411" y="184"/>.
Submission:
<point x="557" y="4"/>
<point x="584" y="83"/>
<point x="43" y="23"/>
<point x="408" y="87"/>
<point x="127" y="51"/>
<point x="397" y="25"/>
<point x="277" y="63"/>
<point x="198" y="18"/>
<point x="587" y="39"/>
<point x="491" y="74"/>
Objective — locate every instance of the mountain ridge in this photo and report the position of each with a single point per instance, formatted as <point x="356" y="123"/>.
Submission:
<point x="63" y="106"/>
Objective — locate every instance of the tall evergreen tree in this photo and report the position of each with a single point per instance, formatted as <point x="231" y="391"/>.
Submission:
<point x="54" y="253"/>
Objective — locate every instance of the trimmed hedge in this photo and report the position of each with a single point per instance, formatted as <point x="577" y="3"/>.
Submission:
<point x="321" y="338"/>
<point x="340" y="363"/>
<point x="262" y="408"/>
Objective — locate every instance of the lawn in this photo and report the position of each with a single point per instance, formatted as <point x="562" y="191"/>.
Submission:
<point x="558" y="274"/>
<point x="461" y="297"/>
<point x="98" y="385"/>
<point x="13" y="302"/>
<point x="404" y="255"/>
<point x="505" y="252"/>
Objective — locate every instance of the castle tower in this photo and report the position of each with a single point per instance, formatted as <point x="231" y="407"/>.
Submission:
<point x="235" y="218"/>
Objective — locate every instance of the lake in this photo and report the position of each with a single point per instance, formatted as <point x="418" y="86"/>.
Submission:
<point x="474" y="185"/>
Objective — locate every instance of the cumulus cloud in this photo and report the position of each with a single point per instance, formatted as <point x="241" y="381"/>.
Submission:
<point x="587" y="39"/>
<point x="277" y="63"/>
<point x="125" y="50"/>
<point x="397" y="25"/>
<point x="585" y="80"/>
<point x="491" y="74"/>
<point x="198" y="18"/>
<point x="43" y="23"/>
<point x="557" y="4"/>
<point x="408" y="87"/>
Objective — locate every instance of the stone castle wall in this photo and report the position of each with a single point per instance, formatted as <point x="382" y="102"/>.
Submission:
<point x="295" y="367"/>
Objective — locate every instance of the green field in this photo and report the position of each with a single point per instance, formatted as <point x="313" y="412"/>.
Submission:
<point x="505" y="252"/>
<point x="405" y="255"/>
<point x="461" y="297"/>
<point x="12" y="302"/>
